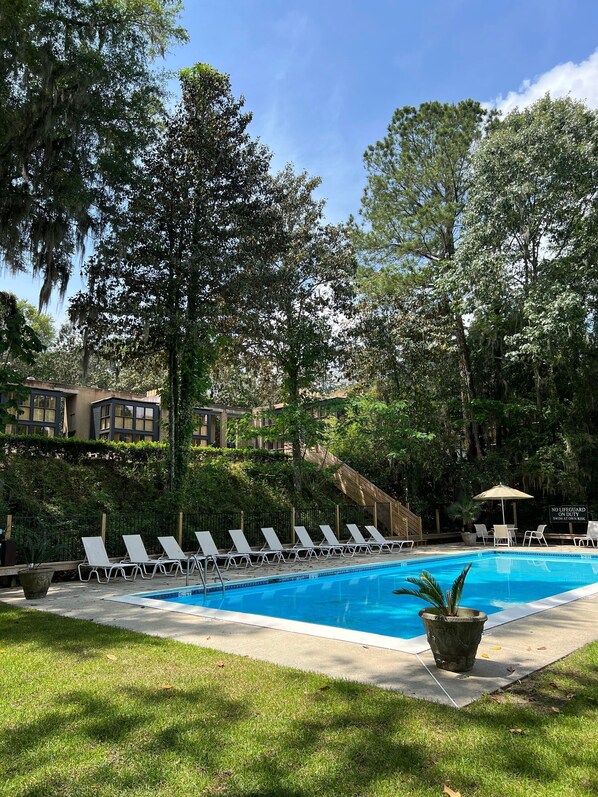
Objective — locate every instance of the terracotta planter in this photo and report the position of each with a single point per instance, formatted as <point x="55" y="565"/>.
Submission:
<point x="469" y="537"/>
<point x="36" y="582"/>
<point x="454" y="640"/>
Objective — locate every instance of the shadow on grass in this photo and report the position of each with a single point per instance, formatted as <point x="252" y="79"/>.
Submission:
<point x="256" y="729"/>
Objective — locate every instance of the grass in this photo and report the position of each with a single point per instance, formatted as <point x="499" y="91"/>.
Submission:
<point x="85" y="710"/>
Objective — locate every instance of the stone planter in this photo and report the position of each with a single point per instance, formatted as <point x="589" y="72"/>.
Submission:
<point x="36" y="582"/>
<point x="454" y="640"/>
<point x="469" y="537"/>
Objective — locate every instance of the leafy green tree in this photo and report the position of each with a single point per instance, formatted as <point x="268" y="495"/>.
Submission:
<point x="527" y="262"/>
<point x="306" y="292"/>
<point x="418" y="177"/>
<point x="19" y="346"/>
<point x="66" y="361"/>
<point x="165" y="278"/>
<point x="78" y="103"/>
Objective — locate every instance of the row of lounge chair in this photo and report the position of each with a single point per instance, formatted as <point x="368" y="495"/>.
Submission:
<point x="138" y="562"/>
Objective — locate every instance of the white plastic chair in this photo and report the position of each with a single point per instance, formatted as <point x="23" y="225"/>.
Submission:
<point x="482" y="532"/>
<point x="274" y="544"/>
<point x="96" y="560"/>
<point x="137" y="554"/>
<point x="360" y="541"/>
<point x="332" y="543"/>
<point x="591" y="536"/>
<point x="242" y="546"/>
<point x="210" y="551"/>
<point x="502" y="536"/>
<point x="306" y="544"/>
<point x="174" y="551"/>
<point x="537" y="534"/>
<point x="392" y="543"/>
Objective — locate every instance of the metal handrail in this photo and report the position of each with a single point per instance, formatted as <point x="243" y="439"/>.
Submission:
<point x="203" y="573"/>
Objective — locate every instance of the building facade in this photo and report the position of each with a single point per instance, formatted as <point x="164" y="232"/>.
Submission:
<point x="57" y="410"/>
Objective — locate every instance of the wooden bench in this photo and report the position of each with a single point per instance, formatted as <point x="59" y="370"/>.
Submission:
<point x="439" y="536"/>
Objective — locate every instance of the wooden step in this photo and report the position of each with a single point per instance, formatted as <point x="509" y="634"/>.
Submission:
<point x="401" y="521"/>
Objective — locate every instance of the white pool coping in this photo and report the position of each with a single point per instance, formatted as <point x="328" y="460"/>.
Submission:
<point x="414" y="645"/>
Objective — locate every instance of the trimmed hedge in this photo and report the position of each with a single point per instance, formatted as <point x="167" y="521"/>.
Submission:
<point x="73" y="449"/>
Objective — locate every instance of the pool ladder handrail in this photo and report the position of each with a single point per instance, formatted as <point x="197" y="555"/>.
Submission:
<point x="203" y="573"/>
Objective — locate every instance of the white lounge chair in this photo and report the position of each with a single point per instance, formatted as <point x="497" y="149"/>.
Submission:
<point x="482" y="532"/>
<point x="274" y="544"/>
<point x="392" y="543"/>
<point x="96" y="560"/>
<point x="306" y="544"/>
<point x="174" y="551"/>
<point x="591" y="536"/>
<point x="537" y="534"/>
<point x="359" y="539"/>
<point x="137" y="554"/>
<point x="242" y="546"/>
<point x="502" y="536"/>
<point x="210" y="551"/>
<point x="331" y="542"/>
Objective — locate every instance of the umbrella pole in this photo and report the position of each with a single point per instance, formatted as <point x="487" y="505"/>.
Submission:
<point x="502" y="503"/>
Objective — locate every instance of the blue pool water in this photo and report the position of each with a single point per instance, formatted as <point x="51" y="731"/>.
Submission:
<point x="363" y="599"/>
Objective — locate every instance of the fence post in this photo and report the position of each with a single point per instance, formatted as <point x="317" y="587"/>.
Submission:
<point x="421" y="532"/>
<point x="103" y="531"/>
<point x="8" y="530"/>
<point x="375" y="518"/>
<point x="406" y="521"/>
<point x="338" y="521"/>
<point x="242" y="520"/>
<point x="437" y="520"/>
<point x="179" y="529"/>
<point x="293" y="535"/>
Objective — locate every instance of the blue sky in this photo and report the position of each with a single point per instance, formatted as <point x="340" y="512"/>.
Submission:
<point x="323" y="78"/>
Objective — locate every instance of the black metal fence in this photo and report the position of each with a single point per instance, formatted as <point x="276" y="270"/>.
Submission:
<point x="64" y="534"/>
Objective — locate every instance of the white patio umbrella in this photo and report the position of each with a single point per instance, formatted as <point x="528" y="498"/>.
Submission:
<point x="501" y="492"/>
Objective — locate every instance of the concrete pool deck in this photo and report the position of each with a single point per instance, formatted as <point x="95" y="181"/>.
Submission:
<point x="507" y="653"/>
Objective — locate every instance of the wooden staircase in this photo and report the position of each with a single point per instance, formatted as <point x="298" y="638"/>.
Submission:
<point x="401" y="522"/>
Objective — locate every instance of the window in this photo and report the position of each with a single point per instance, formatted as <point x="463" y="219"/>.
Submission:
<point x="200" y="427"/>
<point x="104" y="417"/>
<point x="132" y="438"/>
<point x="144" y="419"/>
<point x="23" y="428"/>
<point x="25" y="409"/>
<point x="44" y="409"/>
<point x="123" y="416"/>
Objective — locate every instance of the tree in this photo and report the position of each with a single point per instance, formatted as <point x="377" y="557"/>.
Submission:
<point x="66" y="361"/>
<point x="165" y="278"/>
<point x="78" y="103"/>
<point x="528" y="263"/>
<point x="418" y="177"/>
<point x="19" y="345"/>
<point x="306" y="291"/>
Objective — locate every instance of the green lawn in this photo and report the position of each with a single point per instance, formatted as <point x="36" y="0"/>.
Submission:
<point x="84" y="711"/>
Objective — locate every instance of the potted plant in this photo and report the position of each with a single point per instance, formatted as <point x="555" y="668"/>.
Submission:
<point x="467" y="511"/>
<point x="453" y="631"/>
<point x="35" y="578"/>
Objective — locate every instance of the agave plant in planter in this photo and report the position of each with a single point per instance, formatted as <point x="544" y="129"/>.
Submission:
<point x="36" y="578"/>
<point x="453" y="631"/>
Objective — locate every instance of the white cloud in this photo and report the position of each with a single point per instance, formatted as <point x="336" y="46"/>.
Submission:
<point x="579" y="81"/>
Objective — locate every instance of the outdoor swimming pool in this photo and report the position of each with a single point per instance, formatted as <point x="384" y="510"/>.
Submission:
<point x="357" y="603"/>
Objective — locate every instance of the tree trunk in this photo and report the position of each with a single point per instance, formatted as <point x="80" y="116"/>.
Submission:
<point x="173" y="397"/>
<point x="293" y="396"/>
<point x="468" y="392"/>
